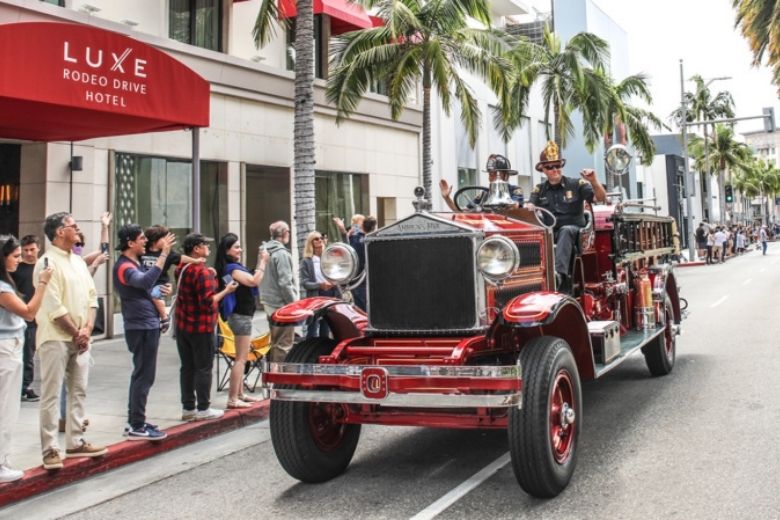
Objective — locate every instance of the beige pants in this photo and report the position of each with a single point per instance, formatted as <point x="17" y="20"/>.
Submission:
<point x="10" y="392"/>
<point x="282" y="338"/>
<point x="61" y="360"/>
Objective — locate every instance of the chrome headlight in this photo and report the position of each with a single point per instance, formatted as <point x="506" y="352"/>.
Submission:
<point x="497" y="258"/>
<point x="339" y="263"/>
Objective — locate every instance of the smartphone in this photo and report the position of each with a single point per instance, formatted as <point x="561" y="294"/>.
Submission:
<point x="227" y="279"/>
<point x="45" y="262"/>
<point x="104" y="247"/>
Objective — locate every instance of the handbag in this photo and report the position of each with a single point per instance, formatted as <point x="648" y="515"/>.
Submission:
<point x="172" y="311"/>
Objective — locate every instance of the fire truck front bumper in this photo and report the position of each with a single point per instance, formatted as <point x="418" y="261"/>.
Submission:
<point x="403" y="386"/>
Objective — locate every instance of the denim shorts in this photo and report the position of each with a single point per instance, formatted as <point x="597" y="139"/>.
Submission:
<point x="240" y="324"/>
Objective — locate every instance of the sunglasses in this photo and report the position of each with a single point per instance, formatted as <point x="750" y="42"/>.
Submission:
<point x="316" y="239"/>
<point x="79" y="244"/>
<point x="556" y="166"/>
<point x="74" y="226"/>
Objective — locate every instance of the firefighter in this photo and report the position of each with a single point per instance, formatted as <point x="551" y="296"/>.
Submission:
<point x="564" y="197"/>
<point x="497" y="167"/>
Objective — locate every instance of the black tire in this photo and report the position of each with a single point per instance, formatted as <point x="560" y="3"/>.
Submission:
<point x="550" y="378"/>
<point x="660" y="354"/>
<point x="309" y="441"/>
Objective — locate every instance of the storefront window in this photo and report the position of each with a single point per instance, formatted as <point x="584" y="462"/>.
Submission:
<point x="196" y="22"/>
<point x="157" y="190"/>
<point x="339" y="195"/>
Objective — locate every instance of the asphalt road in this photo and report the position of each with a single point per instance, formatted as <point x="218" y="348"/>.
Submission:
<point x="699" y="443"/>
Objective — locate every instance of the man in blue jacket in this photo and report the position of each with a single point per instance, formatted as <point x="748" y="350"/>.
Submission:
<point x="142" y="323"/>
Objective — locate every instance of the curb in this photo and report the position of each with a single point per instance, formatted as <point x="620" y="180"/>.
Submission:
<point x="39" y="480"/>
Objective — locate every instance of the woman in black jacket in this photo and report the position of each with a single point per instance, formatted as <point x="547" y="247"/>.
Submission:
<point x="313" y="282"/>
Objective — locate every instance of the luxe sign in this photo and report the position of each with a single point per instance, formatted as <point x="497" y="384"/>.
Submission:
<point x="103" y="81"/>
<point x="65" y="81"/>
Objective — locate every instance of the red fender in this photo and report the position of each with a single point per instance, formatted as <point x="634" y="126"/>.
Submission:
<point x="302" y="310"/>
<point x="553" y="314"/>
<point x="534" y="309"/>
<point x="344" y="319"/>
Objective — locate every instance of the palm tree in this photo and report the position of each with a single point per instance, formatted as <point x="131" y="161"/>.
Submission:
<point x="767" y="178"/>
<point x="758" y="22"/>
<point x="567" y="83"/>
<point x="631" y="121"/>
<point x="744" y="183"/>
<point x="422" y="41"/>
<point x="724" y="152"/>
<point x="303" y="134"/>
<point x="702" y="106"/>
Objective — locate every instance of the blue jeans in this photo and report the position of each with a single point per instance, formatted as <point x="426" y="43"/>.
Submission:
<point x="763" y="246"/>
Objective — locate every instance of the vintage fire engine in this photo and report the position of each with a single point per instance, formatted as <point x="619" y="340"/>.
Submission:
<point x="466" y="330"/>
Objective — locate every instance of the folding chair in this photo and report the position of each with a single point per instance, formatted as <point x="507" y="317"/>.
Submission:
<point x="258" y="348"/>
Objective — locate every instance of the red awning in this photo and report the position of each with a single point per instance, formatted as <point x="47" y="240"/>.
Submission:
<point x="345" y="16"/>
<point x="62" y="81"/>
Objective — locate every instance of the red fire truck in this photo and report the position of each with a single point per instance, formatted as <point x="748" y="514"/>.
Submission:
<point x="465" y="329"/>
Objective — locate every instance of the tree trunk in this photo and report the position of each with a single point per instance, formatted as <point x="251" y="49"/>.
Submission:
<point x="427" y="158"/>
<point x="303" y="147"/>
<point x="722" y="194"/>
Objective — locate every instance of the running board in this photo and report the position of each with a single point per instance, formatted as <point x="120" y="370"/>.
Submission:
<point x="629" y="343"/>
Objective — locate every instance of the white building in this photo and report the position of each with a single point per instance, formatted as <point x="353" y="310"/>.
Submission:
<point x="369" y="164"/>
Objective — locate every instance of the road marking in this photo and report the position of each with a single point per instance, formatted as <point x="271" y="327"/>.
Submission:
<point x="453" y="496"/>
<point x="747" y="281"/>
<point x="722" y="299"/>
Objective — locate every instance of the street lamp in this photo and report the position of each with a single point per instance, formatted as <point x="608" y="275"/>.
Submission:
<point x="686" y="180"/>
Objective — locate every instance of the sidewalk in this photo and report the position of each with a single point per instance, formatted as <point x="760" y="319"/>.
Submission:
<point x="106" y="408"/>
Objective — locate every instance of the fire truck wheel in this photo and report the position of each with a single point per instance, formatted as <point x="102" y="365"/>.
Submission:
<point x="311" y="441"/>
<point x="543" y="434"/>
<point x="661" y="352"/>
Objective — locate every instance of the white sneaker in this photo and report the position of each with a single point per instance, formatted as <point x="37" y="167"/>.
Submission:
<point x="209" y="413"/>
<point x="188" y="415"/>
<point x="9" y="475"/>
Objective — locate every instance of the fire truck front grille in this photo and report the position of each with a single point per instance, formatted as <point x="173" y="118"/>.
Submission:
<point x="422" y="284"/>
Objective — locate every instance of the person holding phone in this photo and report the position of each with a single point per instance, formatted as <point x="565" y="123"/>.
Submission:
<point x="14" y="311"/>
<point x="239" y="308"/>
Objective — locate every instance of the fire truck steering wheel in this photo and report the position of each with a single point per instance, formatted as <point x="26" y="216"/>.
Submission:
<point x="544" y="215"/>
<point x="466" y="195"/>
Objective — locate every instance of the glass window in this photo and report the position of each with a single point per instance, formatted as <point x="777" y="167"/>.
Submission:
<point x="60" y="3"/>
<point x="467" y="177"/>
<point x="339" y="195"/>
<point x="319" y="70"/>
<point x="196" y="22"/>
<point x="157" y="190"/>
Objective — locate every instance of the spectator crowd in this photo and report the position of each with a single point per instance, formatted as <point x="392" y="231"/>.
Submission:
<point x="49" y="304"/>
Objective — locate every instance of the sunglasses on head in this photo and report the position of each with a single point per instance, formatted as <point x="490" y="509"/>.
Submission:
<point x="556" y="166"/>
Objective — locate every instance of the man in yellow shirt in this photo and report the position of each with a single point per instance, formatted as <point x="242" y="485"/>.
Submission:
<point x="65" y="322"/>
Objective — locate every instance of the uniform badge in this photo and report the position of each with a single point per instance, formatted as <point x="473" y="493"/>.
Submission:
<point x="537" y="189"/>
<point x="517" y="191"/>
<point x="582" y="181"/>
<point x="569" y="195"/>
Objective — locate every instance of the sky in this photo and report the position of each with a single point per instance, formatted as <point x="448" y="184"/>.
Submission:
<point x="702" y="34"/>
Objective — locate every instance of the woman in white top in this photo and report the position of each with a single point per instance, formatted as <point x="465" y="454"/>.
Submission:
<point x="13" y="313"/>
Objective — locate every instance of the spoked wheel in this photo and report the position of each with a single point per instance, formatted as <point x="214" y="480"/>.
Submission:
<point x="661" y="352"/>
<point x="465" y="197"/>
<point x="543" y="434"/>
<point x="311" y="440"/>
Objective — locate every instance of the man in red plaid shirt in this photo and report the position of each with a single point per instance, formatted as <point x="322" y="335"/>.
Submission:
<point x="196" y="318"/>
